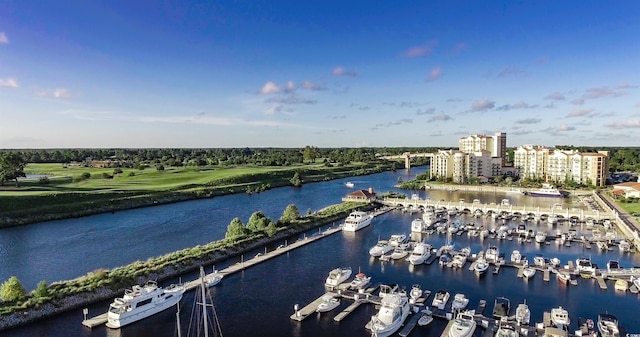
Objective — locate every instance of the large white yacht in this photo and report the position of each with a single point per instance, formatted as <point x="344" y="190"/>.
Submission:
<point x="516" y="257"/>
<point x="560" y="317"/>
<point x="608" y="325"/>
<point x="541" y="237"/>
<point x="337" y="276"/>
<point x="421" y="252"/>
<point x="463" y="326"/>
<point x="547" y="191"/>
<point x="418" y="225"/>
<point x="397" y="239"/>
<point x="393" y="312"/>
<point x="357" y="220"/>
<point x="141" y="302"/>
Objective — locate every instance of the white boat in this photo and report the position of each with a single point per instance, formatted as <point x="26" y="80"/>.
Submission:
<point x="481" y="266"/>
<point x="516" y="256"/>
<point x="552" y="219"/>
<point x="337" y="276"/>
<point x="421" y="252"/>
<point x="608" y="325"/>
<point x="356" y="221"/>
<point x="328" y="303"/>
<point x="386" y="289"/>
<point x="541" y="237"/>
<point x="459" y="302"/>
<point x="506" y="330"/>
<point x="555" y="261"/>
<point x="213" y="278"/>
<point x="523" y="314"/>
<point x="440" y="299"/>
<point x="418" y="225"/>
<point x="415" y="293"/>
<point x="560" y="317"/>
<point x="563" y="277"/>
<point x="539" y="261"/>
<point x="624" y="246"/>
<point x="492" y="254"/>
<point x="463" y="326"/>
<point x="584" y="266"/>
<point x="621" y="285"/>
<point x="445" y="259"/>
<point x="360" y="281"/>
<point x="636" y="282"/>
<point x="426" y="317"/>
<point x="528" y="272"/>
<point x="382" y="247"/>
<point x="349" y="184"/>
<point x="141" y="302"/>
<point x="397" y="239"/>
<point x="392" y="314"/>
<point x="399" y="252"/>
<point x="547" y="191"/>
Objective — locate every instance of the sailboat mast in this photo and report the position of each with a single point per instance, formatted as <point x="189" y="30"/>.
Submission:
<point x="178" y="320"/>
<point x="204" y="303"/>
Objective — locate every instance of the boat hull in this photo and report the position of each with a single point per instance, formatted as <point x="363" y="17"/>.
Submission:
<point x="115" y="321"/>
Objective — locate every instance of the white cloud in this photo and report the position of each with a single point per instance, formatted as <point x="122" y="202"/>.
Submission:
<point x="422" y="50"/>
<point x="529" y="121"/>
<point x="290" y="87"/>
<point x="435" y="74"/>
<point x="61" y="93"/>
<point x="270" y="88"/>
<point x="510" y="71"/>
<point x="579" y="113"/>
<point x="339" y="71"/>
<point x="555" y="96"/>
<point x="440" y="117"/>
<point x="630" y="124"/>
<point x="312" y="86"/>
<point x="483" y="105"/>
<point x="9" y="83"/>
<point x="3" y="38"/>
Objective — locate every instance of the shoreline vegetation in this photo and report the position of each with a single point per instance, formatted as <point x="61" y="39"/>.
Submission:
<point x="77" y="192"/>
<point x="103" y="284"/>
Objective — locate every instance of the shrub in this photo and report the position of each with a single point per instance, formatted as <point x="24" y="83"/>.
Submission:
<point x="85" y="175"/>
<point x="12" y="290"/>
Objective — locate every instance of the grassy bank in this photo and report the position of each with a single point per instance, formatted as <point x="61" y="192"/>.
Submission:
<point x="77" y="191"/>
<point x="103" y="284"/>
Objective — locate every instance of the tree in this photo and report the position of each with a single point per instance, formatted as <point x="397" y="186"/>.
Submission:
<point x="272" y="229"/>
<point x="11" y="290"/>
<point x="42" y="290"/>
<point x="235" y="229"/>
<point x="11" y="167"/>
<point x="258" y="222"/>
<point x="296" y="181"/>
<point x="291" y="213"/>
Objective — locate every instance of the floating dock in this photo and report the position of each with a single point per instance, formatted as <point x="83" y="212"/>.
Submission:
<point x="95" y="321"/>
<point x="353" y="306"/>
<point x="410" y="325"/>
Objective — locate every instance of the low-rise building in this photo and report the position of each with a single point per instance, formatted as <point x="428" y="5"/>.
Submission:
<point x="627" y="190"/>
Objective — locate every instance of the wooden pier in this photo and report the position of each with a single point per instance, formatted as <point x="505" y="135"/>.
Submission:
<point x="410" y="325"/>
<point x="95" y="321"/>
<point x="353" y="306"/>
<point x="601" y="282"/>
<point x="310" y="308"/>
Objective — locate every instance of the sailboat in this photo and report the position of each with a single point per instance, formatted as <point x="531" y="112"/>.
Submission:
<point x="204" y="319"/>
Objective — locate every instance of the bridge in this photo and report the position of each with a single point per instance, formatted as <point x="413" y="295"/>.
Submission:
<point x="407" y="156"/>
<point x="472" y="207"/>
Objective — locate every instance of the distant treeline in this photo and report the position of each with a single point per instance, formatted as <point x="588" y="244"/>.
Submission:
<point x="215" y="156"/>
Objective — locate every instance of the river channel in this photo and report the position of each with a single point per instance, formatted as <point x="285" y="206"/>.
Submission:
<point x="259" y="300"/>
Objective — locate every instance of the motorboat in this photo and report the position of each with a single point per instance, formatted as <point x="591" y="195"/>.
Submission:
<point x="356" y="221"/>
<point x="381" y="247"/>
<point x="621" y="285"/>
<point x="445" y="259"/>
<point x="415" y="293"/>
<point x="547" y="191"/>
<point x="329" y="302"/>
<point x="613" y="265"/>
<point x="481" y="266"/>
<point x="541" y="237"/>
<point x="464" y="325"/>
<point x="397" y="239"/>
<point x="552" y="219"/>
<point x="399" y="252"/>
<point x="386" y="289"/>
<point x="484" y="233"/>
<point x="516" y="256"/>
<point x="492" y="254"/>
<point x="584" y="266"/>
<point x="555" y="261"/>
<point x="426" y="317"/>
<point x="539" y="261"/>
<point x="458" y="260"/>
<point x="636" y="281"/>
<point x="213" y="278"/>
<point x="418" y="225"/>
<point x="506" y="330"/>
<point x="440" y="299"/>
<point x="501" y="307"/>
<point x="360" y="281"/>
<point x="421" y="252"/>
<point x="608" y="325"/>
<point x="523" y="314"/>
<point x="142" y="301"/>
<point x="393" y="311"/>
<point x="349" y="184"/>
<point x="560" y="317"/>
<point x="337" y="276"/>
<point x="563" y="277"/>
<point x="528" y="272"/>
<point x="624" y="246"/>
<point x="459" y="302"/>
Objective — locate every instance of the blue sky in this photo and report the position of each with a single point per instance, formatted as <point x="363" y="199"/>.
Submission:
<point x="320" y="73"/>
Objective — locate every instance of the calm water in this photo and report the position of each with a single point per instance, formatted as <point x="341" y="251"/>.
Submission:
<point x="260" y="299"/>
